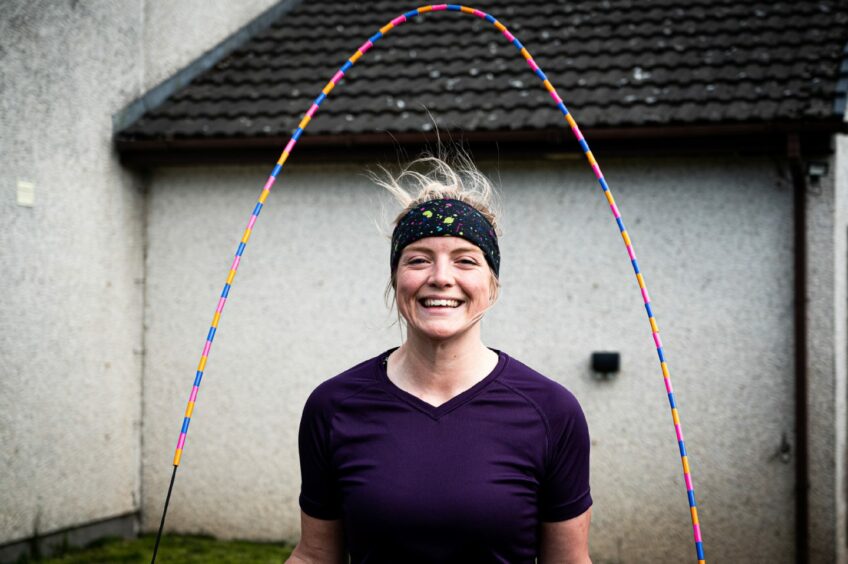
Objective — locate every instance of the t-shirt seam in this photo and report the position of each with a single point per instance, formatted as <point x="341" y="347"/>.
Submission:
<point x="336" y="405"/>
<point x="542" y="416"/>
<point x="568" y="507"/>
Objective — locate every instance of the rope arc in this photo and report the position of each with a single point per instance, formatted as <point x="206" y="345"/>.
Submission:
<point x="592" y="161"/>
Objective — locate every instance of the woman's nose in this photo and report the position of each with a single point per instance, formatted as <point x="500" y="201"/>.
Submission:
<point x="441" y="275"/>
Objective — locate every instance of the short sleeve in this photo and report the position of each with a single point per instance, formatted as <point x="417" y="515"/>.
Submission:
<point x="565" y="491"/>
<point x="319" y="492"/>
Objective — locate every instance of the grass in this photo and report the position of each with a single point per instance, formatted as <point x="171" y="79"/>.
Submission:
<point x="173" y="549"/>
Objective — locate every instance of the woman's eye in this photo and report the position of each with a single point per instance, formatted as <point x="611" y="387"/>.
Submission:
<point x="415" y="261"/>
<point x="468" y="261"/>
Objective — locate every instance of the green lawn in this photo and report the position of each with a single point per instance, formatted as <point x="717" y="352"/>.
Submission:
<point x="173" y="549"/>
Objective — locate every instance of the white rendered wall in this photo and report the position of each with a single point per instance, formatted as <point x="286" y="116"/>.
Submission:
<point x="827" y="279"/>
<point x="714" y="239"/>
<point x="70" y="335"/>
<point x="71" y="314"/>
<point x="176" y="33"/>
<point x="840" y="189"/>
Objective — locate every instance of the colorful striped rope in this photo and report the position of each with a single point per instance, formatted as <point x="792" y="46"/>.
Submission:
<point x="690" y="491"/>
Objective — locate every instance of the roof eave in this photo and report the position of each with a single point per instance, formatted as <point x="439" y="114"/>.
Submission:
<point x="762" y="138"/>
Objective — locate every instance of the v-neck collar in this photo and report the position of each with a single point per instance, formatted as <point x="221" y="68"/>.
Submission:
<point x="446" y="407"/>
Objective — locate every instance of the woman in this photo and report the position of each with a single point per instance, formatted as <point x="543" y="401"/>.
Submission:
<point x="443" y="450"/>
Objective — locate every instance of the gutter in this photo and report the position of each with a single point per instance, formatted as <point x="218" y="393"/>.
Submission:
<point x="747" y="138"/>
<point x="802" y="478"/>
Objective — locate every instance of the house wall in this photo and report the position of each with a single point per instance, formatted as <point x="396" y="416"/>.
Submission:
<point x="715" y="242"/>
<point x="71" y="339"/>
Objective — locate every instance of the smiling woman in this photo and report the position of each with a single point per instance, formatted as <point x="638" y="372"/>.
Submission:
<point x="442" y="449"/>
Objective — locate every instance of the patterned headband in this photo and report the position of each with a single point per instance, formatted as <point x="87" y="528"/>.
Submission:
<point x="449" y="218"/>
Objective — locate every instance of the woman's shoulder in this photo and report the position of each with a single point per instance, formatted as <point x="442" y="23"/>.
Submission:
<point x="346" y="384"/>
<point x="550" y="397"/>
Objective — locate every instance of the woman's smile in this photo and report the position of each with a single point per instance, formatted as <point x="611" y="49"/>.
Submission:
<point x="435" y="303"/>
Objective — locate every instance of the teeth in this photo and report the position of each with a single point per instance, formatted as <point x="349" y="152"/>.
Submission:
<point x="443" y="303"/>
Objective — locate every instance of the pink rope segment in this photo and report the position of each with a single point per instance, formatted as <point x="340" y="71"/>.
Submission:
<point x="534" y="67"/>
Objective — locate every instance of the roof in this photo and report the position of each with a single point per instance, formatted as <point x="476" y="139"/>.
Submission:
<point x="616" y="64"/>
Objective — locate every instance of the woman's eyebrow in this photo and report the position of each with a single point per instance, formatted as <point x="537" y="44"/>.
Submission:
<point x="417" y="249"/>
<point x="466" y="250"/>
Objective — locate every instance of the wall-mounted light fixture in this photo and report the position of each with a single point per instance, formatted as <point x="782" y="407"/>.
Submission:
<point x="816" y="169"/>
<point x="606" y="364"/>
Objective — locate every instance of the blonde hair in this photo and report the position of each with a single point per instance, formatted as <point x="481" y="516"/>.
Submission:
<point x="432" y="177"/>
<point x="459" y="180"/>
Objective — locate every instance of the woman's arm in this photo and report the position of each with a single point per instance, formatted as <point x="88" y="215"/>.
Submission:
<point x="321" y="542"/>
<point x="566" y="542"/>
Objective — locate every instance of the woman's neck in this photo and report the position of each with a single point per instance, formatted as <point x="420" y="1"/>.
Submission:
<point x="436" y="371"/>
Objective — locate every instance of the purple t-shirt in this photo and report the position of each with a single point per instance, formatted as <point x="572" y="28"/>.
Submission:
<point x="468" y="481"/>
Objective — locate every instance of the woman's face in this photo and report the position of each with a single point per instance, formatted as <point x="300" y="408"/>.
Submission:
<point x="443" y="286"/>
